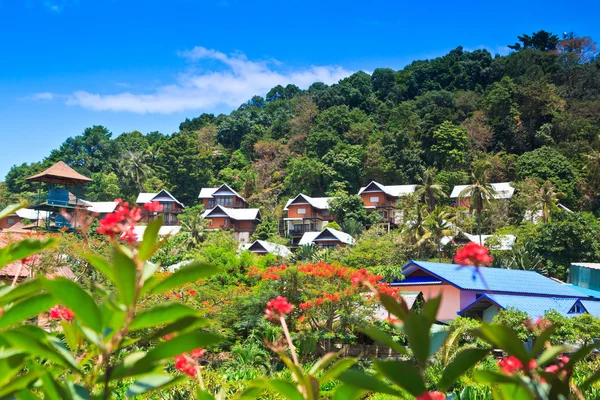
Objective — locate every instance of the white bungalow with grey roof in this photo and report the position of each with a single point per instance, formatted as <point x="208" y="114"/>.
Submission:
<point x="328" y="238"/>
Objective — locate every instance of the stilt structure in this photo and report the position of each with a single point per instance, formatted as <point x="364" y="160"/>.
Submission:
<point x="64" y="186"/>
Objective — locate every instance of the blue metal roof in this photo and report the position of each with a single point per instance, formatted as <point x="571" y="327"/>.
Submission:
<point x="586" y="291"/>
<point x="416" y="280"/>
<point x="493" y="279"/>
<point x="534" y="306"/>
<point x="592" y="307"/>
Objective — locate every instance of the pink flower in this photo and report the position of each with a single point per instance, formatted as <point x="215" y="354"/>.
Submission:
<point x="432" y="396"/>
<point x="510" y="365"/>
<point x="473" y="254"/>
<point x="60" y="312"/>
<point x="278" y="307"/>
<point x="552" y="369"/>
<point x="121" y="222"/>
<point x="183" y="364"/>
<point x="198" y="353"/>
<point x="153" y="206"/>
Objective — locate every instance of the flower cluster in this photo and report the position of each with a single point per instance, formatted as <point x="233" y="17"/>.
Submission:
<point x="121" y="222"/>
<point x="555" y="368"/>
<point x="432" y="396"/>
<point x="153" y="206"/>
<point x="540" y="324"/>
<point x="322" y="269"/>
<point x="473" y="254"/>
<point x="188" y="364"/>
<point x="511" y="365"/>
<point x="278" y="308"/>
<point x="327" y="297"/>
<point x="60" y="312"/>
<point x="362" y="275"/>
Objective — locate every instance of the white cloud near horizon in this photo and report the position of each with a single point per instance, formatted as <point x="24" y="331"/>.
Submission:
<point x="236" y="82"/>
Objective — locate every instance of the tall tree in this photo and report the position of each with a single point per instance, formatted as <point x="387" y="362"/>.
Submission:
<point x="439" y="224"/>
<point x="547" y="200"/>
<point x="428" y="190"/>
<point x="135" y="167"/>
<point x="479" y="193"/>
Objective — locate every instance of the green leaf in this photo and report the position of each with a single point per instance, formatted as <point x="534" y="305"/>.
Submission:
<point x="382" y="337"/>
<point x="152" y="382"/>
<point x="436" y="340"/>
<point x="125" y="274"/>
<point x="579" y="355"/>
<point x="284" y="388"/>
<point x="336" y="369"/>
<point x="540" y="342"/>
<point x="346" y="392"/>
<point x="417" y="328"/>
<point x="71" y="295"/>
<point x="512" y="391"/>
<point x="19" y="250"/>
<point x="185" y="324"/>
<point x="101" y="265"/>
<point x="9" y="294"/>
<point x="323" y="363"/>
<point x="12" y="208"/>
<point x="149" y="244"/>
<point x="27" y="308"/>
<point x="550" y="354"/>
<point x="590" y="380"/>
<point x="77" y="392"/>
<point x="504" y="338"/>
<point x="202" y="395"/>
<point x="359" y="379"/>
<point x="188" y="273"/>
<point x="403" y="374"/>
<point x="461" y="363"/>
<point x="20" y="383"/>
<point x="392" y="306"/>
<point x="485" y="376"/>
<point x="430" y="309"/>
<point x="182" y="344"/>
<point x="162" y="314"/>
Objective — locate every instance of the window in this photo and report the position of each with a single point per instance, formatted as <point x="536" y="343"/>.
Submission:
<point x="11" y="221"/>
<point x="225" y="201"/>
<point x="302" y="211"/>
<point x="325" y="213"/>
<point x="577" y="309"/>
<point x="374" y="199"/>
<point x="167" y="207"/>
<point x="328" y="245"/>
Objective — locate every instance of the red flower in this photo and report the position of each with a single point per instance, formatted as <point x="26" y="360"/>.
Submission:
<point x="129" y="235"/>
<point x="362" y="275"/>
<point x="183" y="364"/>
<point x="278" y="307"/>
<point x="198" y="353"/>
<point x="510" y="365"/>
<point x="552" y="369"/>
<point x="192" y="292"/>
<point x="153" y="206"/>
<point x="60" y="312"/>
<point x="178" y="295"/>
<point x="432" y="396"/>
<point x="120" y="223"/>
<point x="304" y="306"/>
<point x="473" y="254"/>
<point x="391" y="320"/>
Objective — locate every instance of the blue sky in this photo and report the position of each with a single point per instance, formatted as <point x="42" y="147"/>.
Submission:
<point x="147" y="65"/>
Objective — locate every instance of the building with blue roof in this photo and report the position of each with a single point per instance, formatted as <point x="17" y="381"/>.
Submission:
<point x="481" y="291"/>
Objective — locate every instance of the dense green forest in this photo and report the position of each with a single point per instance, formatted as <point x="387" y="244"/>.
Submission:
<point x="531" y="117"/>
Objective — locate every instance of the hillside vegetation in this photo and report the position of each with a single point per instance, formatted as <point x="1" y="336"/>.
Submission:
<point x="531" y="117"/>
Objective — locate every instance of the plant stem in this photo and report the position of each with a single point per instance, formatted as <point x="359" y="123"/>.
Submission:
<point x="289" y="340"/>
<point x="200" y="381"/>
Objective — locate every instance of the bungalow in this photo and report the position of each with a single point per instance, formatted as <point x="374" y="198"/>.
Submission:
<point x="502" y="190"/>
<point x="493" y="242"/>
<point x="483" y="291"/>
<point x="262" y="248"/>
<point x="223" y="195"/>
<point x="384" y="200"/>
<point x="306" y="214"/>
<point x="165" y="230"/>
<point x="585" y="278"/>
<point x="328" y="238"/>
<point x="171" y="207"/>
<point x="21" y="215"/>
<point x="242" y="221"/>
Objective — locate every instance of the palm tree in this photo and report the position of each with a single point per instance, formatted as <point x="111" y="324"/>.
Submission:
<point x="428" y="191"/>
<point x="135" y="167"/>
<point x="352" y="227"/>
<point x="194" y="225"/>
<point x="547" y="200"/>
<point x="439" y="224"/>
<point x="307" y="252"/>
<point x="593" y="168"/>
<point x="415" y="223"/>
<point x="480" y="193"/>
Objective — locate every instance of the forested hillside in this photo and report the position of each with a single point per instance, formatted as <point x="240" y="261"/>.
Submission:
<point x="534" y="113"/>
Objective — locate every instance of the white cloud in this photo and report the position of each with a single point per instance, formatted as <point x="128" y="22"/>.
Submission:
<point x="52" y="6"/>
<point x="501" y="50"/>
<point x="235" y="82"/>
<point x="41" y="96"/>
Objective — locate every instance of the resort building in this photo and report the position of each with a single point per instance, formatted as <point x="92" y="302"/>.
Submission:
<point x="242" y="221"/>
<point x="262" y="248"/>
<point x="503" y="190"/>
<point x="171" y="207"/>
<point x="224" y="196"/>
<point x="383" y="199"/>
<point x="482" y="292"/>
<point x="328" y="238"/>
<point x="306" y="214"/>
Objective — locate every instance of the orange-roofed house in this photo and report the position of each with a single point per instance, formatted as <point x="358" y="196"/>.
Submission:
<point x="171" y="207"/>
<point x="306" y="214"/>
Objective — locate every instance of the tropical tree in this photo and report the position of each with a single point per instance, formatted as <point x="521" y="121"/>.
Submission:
<point x="547" y="200"/>
<point x="593" y="169"/>
<point x="479" y="193"/>
<point x="194" y="225"/>
<point x="135" y="167"/>
<point x="428" y="191"/>
<point x="307" y="252"/>
<point x="415" y="227"/>
<point x="525" y="257"/>
<point x="439" y="224"/>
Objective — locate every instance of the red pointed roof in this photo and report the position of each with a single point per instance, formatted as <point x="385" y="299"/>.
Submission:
<point x="60" y="173"/>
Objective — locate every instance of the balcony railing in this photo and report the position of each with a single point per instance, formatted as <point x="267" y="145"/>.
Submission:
<point x="299" y="229"/>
